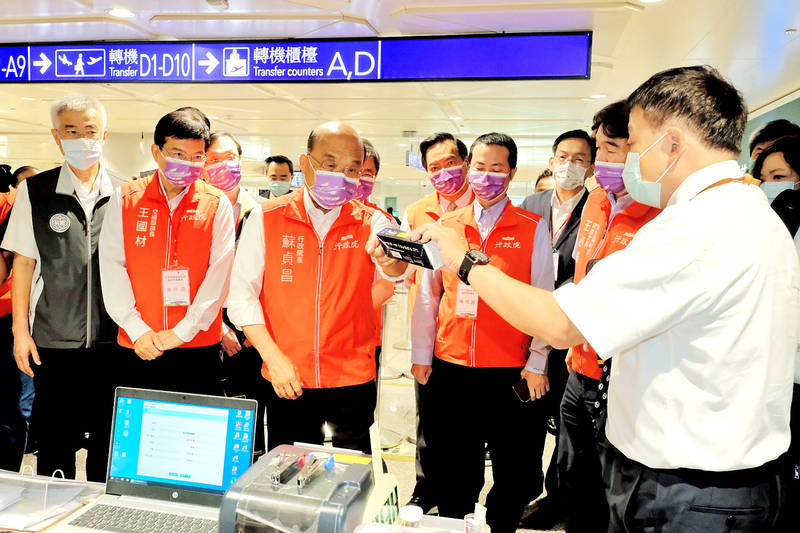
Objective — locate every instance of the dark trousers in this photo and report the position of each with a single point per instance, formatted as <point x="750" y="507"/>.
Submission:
<point x="424" y="462"/>
<point x="74" y="398"/>
<point x="649" y="500"/>
<point x="469" y="409"/>
<point x="192" y="370"/>
<point x="349" y="412"/>
<point x="13" y="423"/>
<point x="242" y="377"/>
<point x="579" y="468"/>
<point x="557" y="375"/>
<point x="790" y="517"/>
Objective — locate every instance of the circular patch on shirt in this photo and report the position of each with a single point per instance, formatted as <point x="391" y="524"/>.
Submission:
<point x="59" y="223"/>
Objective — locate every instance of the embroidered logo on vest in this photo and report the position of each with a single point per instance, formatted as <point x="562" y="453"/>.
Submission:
<point x="59" y="223"/>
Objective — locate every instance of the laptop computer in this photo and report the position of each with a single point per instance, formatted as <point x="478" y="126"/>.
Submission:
<point x="172" y="457"/>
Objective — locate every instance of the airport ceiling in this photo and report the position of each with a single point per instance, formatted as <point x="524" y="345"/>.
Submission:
<point x="750" y="41"/>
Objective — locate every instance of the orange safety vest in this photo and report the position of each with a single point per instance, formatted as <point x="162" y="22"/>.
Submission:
<point x="598" y="239"/>
<point x="424" y="210"/>
<point x="6" y="203"/>
<point x="317" y="298"/>
<point x="487" y="340"/>
<point x="154" y="241"/>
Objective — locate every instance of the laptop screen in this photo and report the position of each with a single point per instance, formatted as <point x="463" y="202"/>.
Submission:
<point x="184" y="444"/>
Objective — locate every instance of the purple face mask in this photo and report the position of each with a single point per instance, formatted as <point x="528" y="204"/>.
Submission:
<point x="333" y="189"/>
<point x="182" y="173"/>
<point x="448" y="180"/>
<point x="609" y="176"/>
<point x="224" y="175"/>
<point x="365" y="187"/>
<point x="487" y="185"/>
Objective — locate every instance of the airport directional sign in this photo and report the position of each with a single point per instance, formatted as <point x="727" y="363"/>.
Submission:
<point x="463" y="57"/>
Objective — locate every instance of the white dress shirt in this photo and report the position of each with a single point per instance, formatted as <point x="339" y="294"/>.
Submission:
<point x="702" y="309"/>
<point x="426" y="307"/>
<point x="561" y="211"/>
<point x="118" y="292"/>
<point x="20" y="238"/>
<point x="244" y="304"/>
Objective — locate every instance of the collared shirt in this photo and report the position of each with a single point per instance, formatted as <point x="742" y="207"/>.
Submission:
<point x="703" y="310"/>
<point x="560" y="212"/>
<point x="461" y="201"/>
<point x="426" y="307"/>
<point x="244" y="305"/>
<point x="20" y="238"/>
<point x="118" y="292"/>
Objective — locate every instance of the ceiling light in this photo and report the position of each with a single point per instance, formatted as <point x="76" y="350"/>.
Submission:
<point x="790" y="31"/>
<point x="212" y="117"/>
<point x="650" y="1"/>
<point x="121" y="13"/>
<point x="29" y="99"/>
<point x="598" y="96"/>
<point x="455" y="117"/>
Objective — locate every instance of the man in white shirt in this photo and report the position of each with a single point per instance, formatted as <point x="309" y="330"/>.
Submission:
<point x="700" y="312"/>
<point x="572" y="162"/>
<point x="166" y="253"/>
<point x="301" y="291"/>
<point x="59" y="321"/>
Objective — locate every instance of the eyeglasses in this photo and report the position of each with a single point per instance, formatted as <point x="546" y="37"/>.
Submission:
<point x="177" y="154"/>
<point x="329" y="164"/>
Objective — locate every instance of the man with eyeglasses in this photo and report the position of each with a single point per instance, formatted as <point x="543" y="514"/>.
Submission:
<point x="166" y="252"/>
<point x="301" y="290"/>
<point x="63" y="336"/>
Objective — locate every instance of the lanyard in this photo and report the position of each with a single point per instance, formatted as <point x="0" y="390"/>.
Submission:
<point x="555" y="232"/>
<point x="746" y="179"/>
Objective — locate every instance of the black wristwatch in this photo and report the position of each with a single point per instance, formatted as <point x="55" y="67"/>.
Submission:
<point x="471" y="258"/>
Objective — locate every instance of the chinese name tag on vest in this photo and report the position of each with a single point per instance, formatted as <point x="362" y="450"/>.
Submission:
<point x="466" y="301"/>
<point x="175" y="286"/>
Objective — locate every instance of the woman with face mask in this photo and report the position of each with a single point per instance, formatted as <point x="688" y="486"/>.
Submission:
<point x="778" y="167"/>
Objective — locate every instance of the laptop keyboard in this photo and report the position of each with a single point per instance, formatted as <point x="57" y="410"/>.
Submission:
<point x="125" y="519"/>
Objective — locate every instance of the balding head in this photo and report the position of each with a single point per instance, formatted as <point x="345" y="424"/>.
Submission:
<point x="329" y="128"/>
<point x="334" y="147"/>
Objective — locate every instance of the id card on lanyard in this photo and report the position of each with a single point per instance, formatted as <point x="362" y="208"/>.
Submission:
<point x="466" y="301"/>
<point x="175" y="286"/>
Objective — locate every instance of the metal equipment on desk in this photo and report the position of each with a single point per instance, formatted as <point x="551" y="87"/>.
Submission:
<point x="306" y="488"/>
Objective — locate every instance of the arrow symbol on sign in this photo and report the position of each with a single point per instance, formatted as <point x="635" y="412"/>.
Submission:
<point x="210" y="62"/>
<point x="43" y="64"/>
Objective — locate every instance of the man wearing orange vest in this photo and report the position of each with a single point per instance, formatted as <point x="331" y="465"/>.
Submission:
<point x="471" y="359"/>
<point x="166" y="252"/>
<point x="443" y="157"/>
<point x="610" y="220"/>
<point x="301" y="291"/>
<point x="382" y="289"/>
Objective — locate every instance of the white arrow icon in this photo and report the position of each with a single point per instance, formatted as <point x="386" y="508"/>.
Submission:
<point x="44" y="63"/>
<point x="210" y="63"/>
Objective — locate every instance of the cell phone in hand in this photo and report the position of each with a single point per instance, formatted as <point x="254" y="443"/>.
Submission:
<point x="522" y="391"/>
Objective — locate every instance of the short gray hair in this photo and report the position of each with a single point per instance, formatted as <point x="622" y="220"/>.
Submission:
<point x="76" y="102"/>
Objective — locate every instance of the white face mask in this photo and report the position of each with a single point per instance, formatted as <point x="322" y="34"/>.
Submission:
<point x="569" y="175"/>
<point x="82" y="153"/>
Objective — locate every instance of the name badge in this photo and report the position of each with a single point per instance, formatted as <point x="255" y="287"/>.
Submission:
<point x="175" y="287"/>
<point x="466" y="301"/>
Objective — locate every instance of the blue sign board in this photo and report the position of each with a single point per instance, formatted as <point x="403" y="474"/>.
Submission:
<point x="475" y="57"/>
